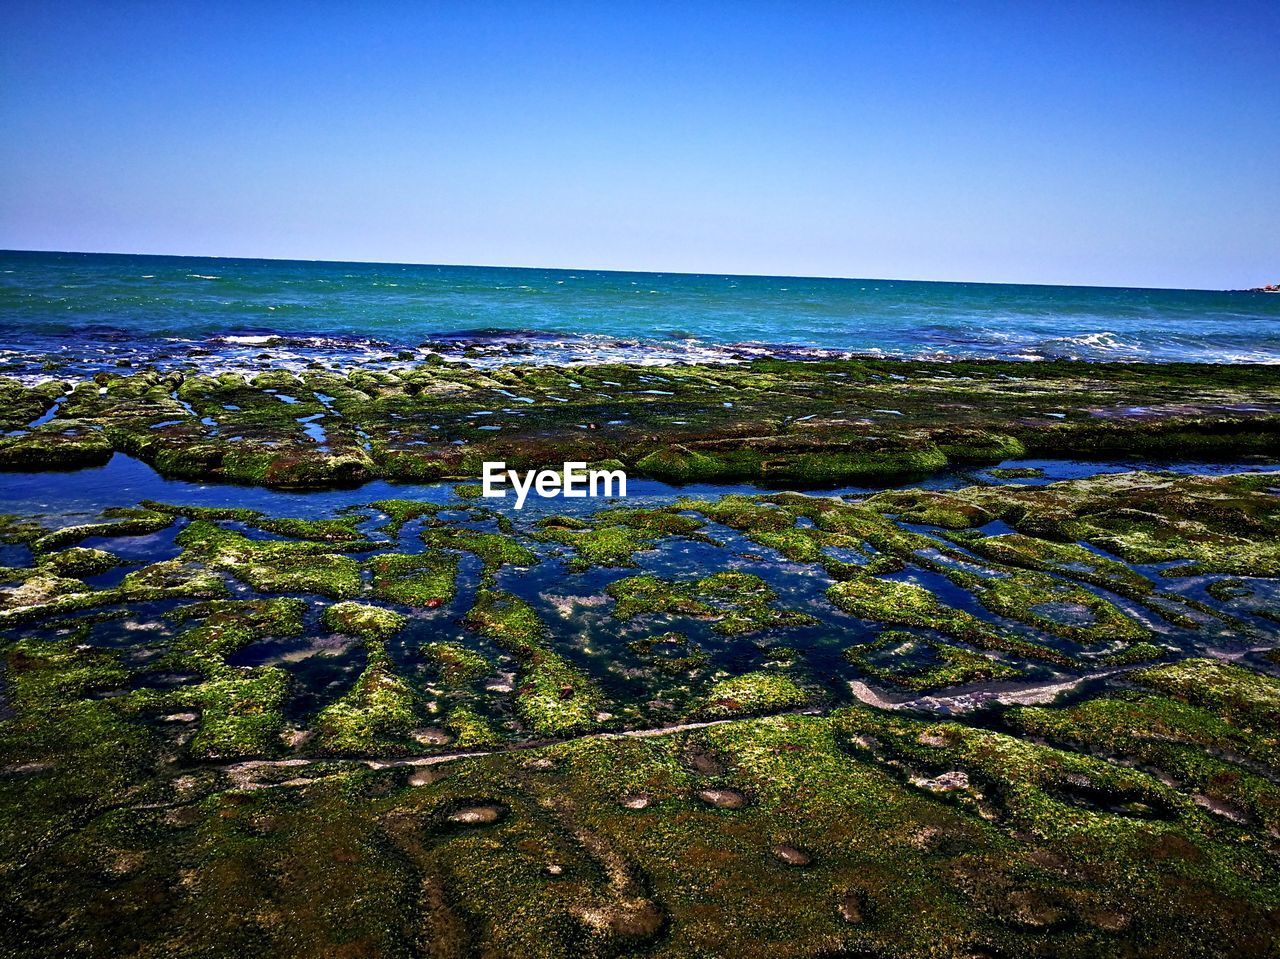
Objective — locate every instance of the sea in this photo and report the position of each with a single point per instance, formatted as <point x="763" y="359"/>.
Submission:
<point x="68" y="314"/>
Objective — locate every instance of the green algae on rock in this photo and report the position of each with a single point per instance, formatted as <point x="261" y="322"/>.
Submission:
<point x="891" y="657"/>
<point x="799" y="423"/>
<point x="239" y="710"/>
<point x="401" y="511"/>
<point x="1227" y="765"/>
<point x="117" y="521"/>
<point x="273" y="566"/>
<point x="1213" y="524"/>
<point x="736" y="603"/>
<point x="377" y="715"/>
<point x="917" y="832"/>
<point x="169" y="763"/>
<point x="907" y="604"/>
<point x="670" y="653"/>
<point x="1016" y="472"/>
<point x="458" y="665"/>
<point x="553" y="697"/>
<point x="1059" y="608"/>
<point x="43" y="595"/>
<point x="381" y="710"/>
<point x="493" y="549"/>
<point x="614" y="535"/>
<point x="78" y="562"/>
<point x="414" y="579"/>
<point x="762" y="691"/>
<point x="1240" y="695"/>
<point x="471" y="729"/>
<point x="363" y="621"/>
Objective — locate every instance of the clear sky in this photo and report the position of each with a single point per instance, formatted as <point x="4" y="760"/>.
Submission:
<point x="1112" y="143"/>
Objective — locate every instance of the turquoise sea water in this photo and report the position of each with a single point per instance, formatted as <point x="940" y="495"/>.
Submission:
<point x="100" y="307"/>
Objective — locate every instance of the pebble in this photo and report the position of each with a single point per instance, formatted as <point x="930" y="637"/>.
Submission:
<point x="427" y="775"/>
<point x="431" y="736"/>
<point x="722" y="798"/>
<point x="851" y="907"/>
<point x="947" y="782"/>
<point x="791" y="855"/>
<point x="475" y="815"/>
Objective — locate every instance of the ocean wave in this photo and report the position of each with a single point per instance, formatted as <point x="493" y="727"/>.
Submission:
<point x="1099" y="345"/>
<point x="259" y="339"/>
<point x="958" y="337"/>
<point x="67" y="354"/>
<point x="320" y="341"/>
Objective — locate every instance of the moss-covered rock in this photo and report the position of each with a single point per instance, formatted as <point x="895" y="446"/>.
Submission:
<point x="919" y="662"/>
<point x="736" y="602"/>
<point x="457" y="665"/>
<point x="762" y="691"/>
<point x="799" y="423"/>
<point x="363" y="621"/>
<point x="273" y="566"/>
<point x="553" y="697"/>
<point x="425" y="580"/>
<point x="377" y="715"/>
<point x="79" y="562"/>
<point x="494" y="549"/>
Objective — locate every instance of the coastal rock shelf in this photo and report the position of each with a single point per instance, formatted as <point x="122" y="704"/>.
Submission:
<point x="759" y="725"/>
<point x="774" y="421"/>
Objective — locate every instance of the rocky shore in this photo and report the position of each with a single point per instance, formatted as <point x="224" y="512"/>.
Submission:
<point x="1005" y="717"/>
<point x="777" y="422"/>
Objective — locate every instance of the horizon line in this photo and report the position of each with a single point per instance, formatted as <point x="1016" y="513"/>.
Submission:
<point x="589" y="269"/>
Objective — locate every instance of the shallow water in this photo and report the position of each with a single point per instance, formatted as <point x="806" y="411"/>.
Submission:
<point x="125" y="481"/>
<point x="580" y="620"/>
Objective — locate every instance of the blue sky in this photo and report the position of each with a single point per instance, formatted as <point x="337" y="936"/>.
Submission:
<point x="1112" y="143"/>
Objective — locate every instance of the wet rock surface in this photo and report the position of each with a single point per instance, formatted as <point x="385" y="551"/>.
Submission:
<point x="1010" y="715"/>
<point x="785" y="421"/>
